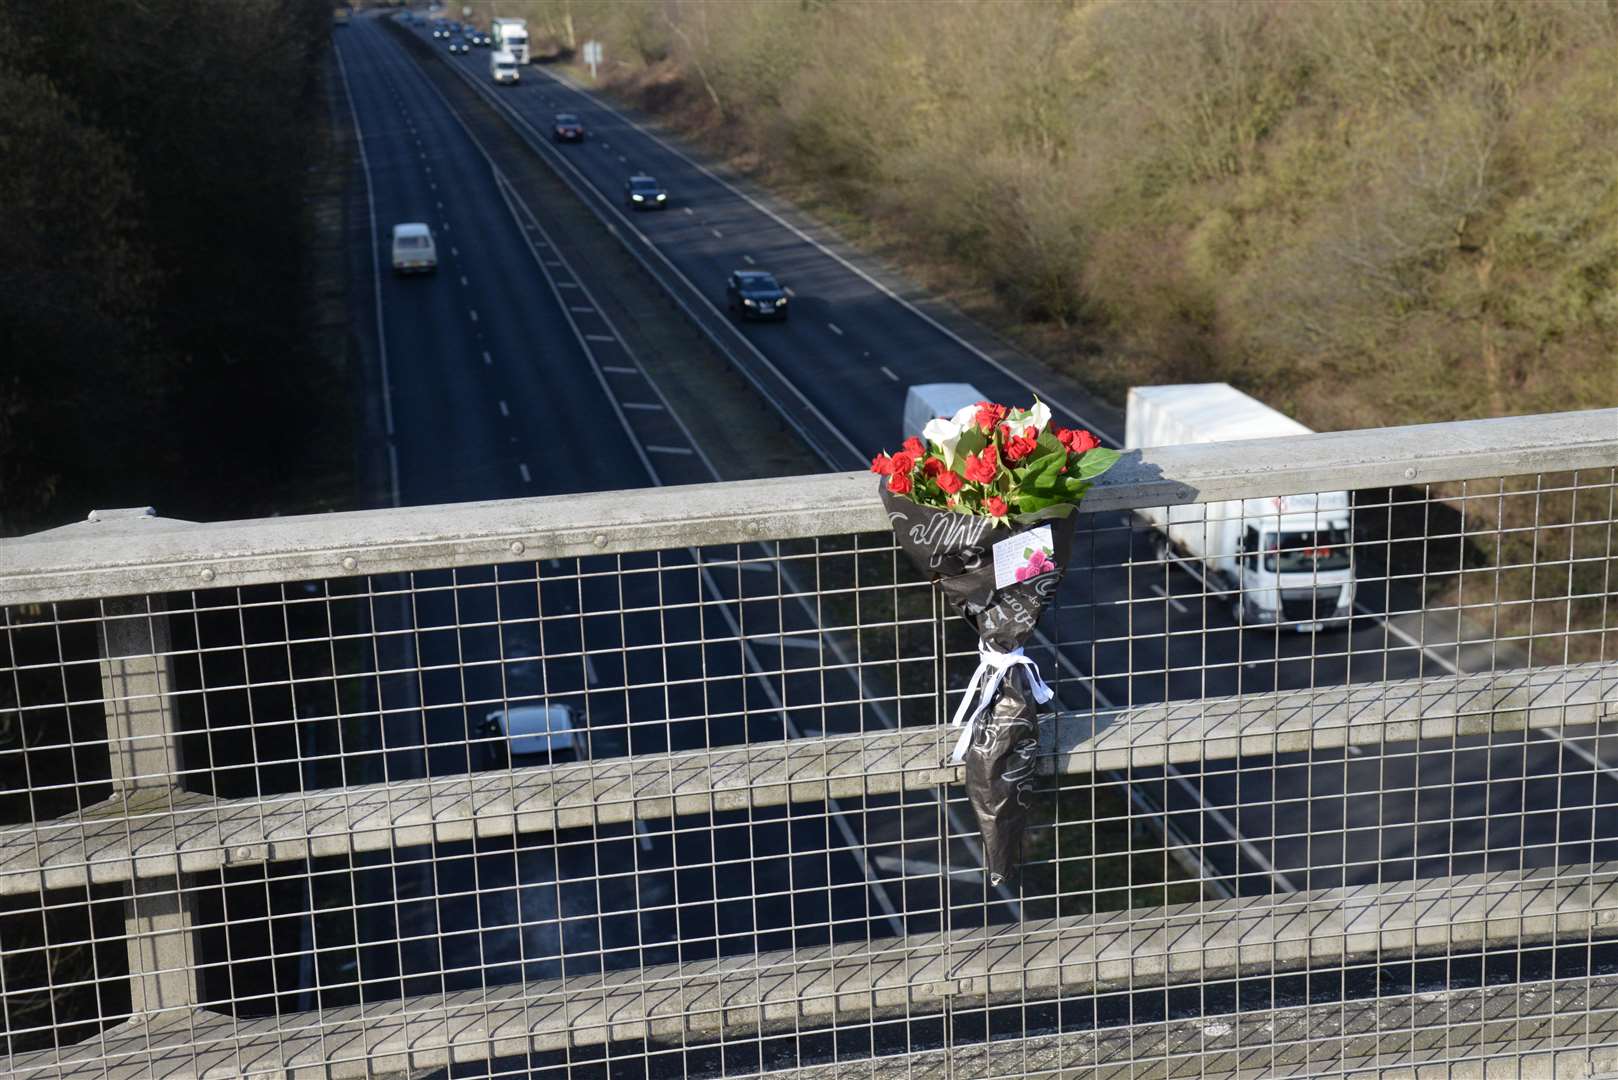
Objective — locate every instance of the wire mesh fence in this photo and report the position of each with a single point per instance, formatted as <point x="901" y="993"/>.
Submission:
<point x="1328" y="787"/>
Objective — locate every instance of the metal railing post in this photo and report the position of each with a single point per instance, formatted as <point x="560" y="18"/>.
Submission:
<point x="142" y="741"/>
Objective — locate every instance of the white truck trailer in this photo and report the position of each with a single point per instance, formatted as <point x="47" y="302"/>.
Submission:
<point x="510" y="35"/>
<point x="1283" y="561"/>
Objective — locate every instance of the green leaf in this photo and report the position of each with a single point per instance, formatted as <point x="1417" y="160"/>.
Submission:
<point x="1028" y="553"/>
<point x="972" y="442"/>
<point x="1095" y="462"/>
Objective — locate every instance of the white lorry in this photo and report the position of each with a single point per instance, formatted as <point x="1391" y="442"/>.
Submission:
<point x="503" y="67"/>
<point x="926" y="401"/>
<point x="1284" y="561"/>
<point x="511" y="35"/>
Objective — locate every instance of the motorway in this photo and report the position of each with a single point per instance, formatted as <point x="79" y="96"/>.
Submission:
<point x="497" y="371"/>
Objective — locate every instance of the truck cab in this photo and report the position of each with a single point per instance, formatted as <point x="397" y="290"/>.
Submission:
<point x="503" y="67"/>
<point x="1285" y="561"/>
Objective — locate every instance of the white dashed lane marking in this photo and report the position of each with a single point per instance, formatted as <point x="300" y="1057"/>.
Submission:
<point x="648" y="406"/>
<point x="463" y="279"/>
<point x="503" y="410"/>
<point x="601" y="337"/>
<point x="788" y="290"/>
<point x="612" y="370"/>
<point x="688" y="210"/>
<point x="487" y="359"/>
<point x="834" y="329"/>
<point x="567" y="285"/>
<point x="668" y="449"/>
<point x="717" y="233"/>
<point x="474" y="313"/>
<point x="582" y="310"/>
<point x="889" y="374"/>
<point x="748" y="259"/>
<point x="524" y="470"/>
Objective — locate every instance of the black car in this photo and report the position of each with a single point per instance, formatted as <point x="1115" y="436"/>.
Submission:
<point x="459" y="45"/>
<point x="567" y="128"/>
<point x="480" y="39"/>
<point x="645" y="193"/>
<point x="440" y="30"/>
<point x="753" y="294"/>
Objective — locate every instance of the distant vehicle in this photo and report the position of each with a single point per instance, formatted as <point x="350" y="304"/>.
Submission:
<point x="1284" y="561"/>
<point x="459" y="45"/>
<point x="533" y="735"/>
<point x="440" y="30"/>
<point x="567" y="128"/>
<point x="928" y="401"/>
<point x="413" y="249"/>
<point x="512" y="36"/>
<point x="340" y="16"/>
<point x="481" y="40"/>
<point x="503" y="67"/>
<point x="755" y="295"/>
<point x="645" y="193"/>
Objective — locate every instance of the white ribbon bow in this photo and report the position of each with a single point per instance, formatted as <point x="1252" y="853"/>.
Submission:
<point x="991" y="672"/>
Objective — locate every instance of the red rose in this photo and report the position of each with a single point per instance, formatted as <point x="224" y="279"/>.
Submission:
<point x="882" y="465"/>
<point x="932" y="466"/>
<point x="914" y="448"/>
<point x="980" y="469"/>
<point x="1019" y="446"/>
<point x="1076" y="440"/>
<point x="903" y="463"/>
<point x="949" y="481"/>
<point x="989" y="414"/>
<point x="899" y="483"/>
<point x="996" y="506"/>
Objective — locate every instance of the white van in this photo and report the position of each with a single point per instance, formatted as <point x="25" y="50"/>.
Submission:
<point x="928" y="401"/>
<point x="503" y="67"/>
<point x="413" y="249"/>
<point x="533" y="735"/>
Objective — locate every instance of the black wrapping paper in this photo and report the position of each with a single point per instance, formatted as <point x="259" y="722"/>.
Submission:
<point x="957" y="551"/>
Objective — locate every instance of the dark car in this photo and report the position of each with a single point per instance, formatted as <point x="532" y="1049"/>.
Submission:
<point x="459" y="45"/>
<point x="440" y="30"/>
<point x="645" y="193"/>
<point x="753" y="294"/>
<point x="567" y="128"/>
<point x="481" y="39"/>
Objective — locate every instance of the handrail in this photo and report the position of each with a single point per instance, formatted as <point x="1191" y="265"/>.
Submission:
<point x="141" y="555"/>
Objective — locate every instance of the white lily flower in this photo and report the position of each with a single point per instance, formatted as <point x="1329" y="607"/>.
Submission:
<point x="1036" y="418"/>
<point x="965" y="419"/>
<point x="944" y="433"/>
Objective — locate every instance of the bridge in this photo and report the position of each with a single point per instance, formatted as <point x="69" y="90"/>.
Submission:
<point x="255" y="819"/>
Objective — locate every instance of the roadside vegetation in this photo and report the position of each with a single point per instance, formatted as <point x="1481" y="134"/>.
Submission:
<point x="154" y="346"/>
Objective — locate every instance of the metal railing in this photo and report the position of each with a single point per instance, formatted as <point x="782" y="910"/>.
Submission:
<point x="261" y="816"/>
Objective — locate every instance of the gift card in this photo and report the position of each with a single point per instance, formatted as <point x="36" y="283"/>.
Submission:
<point x="1023" y="556"/>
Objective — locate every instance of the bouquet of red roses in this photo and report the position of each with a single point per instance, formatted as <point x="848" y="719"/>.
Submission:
<point x="983" y="502"/>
